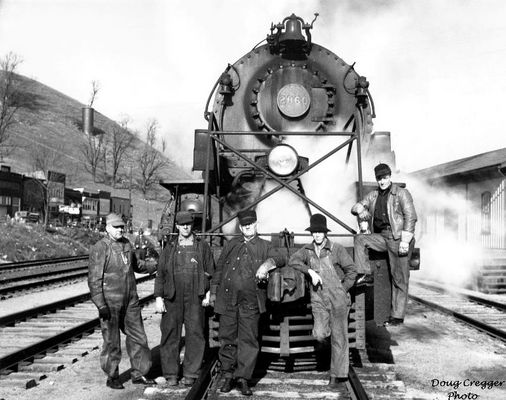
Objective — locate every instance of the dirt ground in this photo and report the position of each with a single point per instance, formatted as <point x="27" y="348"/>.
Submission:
<point x="430" y="350"/>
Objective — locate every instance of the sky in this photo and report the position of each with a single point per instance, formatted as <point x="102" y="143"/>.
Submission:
<point x="437" y="69"/>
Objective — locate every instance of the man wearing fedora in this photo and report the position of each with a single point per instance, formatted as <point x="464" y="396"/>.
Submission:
<point x="182" y="291"/>
<point x="239" y="297"/>
<point x="332" y="274"/>
<point x="393" y="215"/>
<point x="113" y="289"/>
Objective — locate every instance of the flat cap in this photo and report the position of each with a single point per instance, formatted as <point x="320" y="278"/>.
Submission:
<point x="114" y="220"/>
<point x="247" y="217"/>
<point x="184" y="217"/>
<point x="382" y="170"/>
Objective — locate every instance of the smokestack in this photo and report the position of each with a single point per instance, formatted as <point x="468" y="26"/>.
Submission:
<point x="88" y="113"/>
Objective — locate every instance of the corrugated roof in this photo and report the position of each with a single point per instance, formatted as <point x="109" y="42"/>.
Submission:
<point x="463" y="165"/>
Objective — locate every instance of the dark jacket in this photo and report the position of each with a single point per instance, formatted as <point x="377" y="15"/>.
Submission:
<point x="110" y="279"/>
<point x="261" y="251"/>
<point x="401" y="211"/>
<point x="339" y="257"/>
<point x="164" y="281"/>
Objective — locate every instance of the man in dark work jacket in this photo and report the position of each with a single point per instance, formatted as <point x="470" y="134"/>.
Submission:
<point x="240" y="299"/>
<point x="113" y="290"/>
<point x="393" y="215"/>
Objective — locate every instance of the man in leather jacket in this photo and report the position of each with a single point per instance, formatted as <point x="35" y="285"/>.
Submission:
<point x="113" y="289"/>
<point x="182" y="291"/>
<point x="393" y="216"/>
<point x="238" y="293"/>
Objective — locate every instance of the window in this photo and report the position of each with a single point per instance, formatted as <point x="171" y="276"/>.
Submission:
<point x="485" y="213"/>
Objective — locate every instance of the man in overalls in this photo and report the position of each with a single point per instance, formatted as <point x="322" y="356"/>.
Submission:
<point x="113" y="289"/>
<point x="182" y="291"/>
<point x="332" y="274"/>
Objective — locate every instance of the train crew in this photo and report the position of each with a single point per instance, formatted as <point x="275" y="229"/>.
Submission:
<point x="332" y="274"/>
<point x="113" y="289"/>
<point x="393" y="217"/>
<point x="182" y="291"/>
<point x="239" y="297"/>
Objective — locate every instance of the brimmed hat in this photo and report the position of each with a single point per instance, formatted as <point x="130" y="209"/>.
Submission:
<point x="247" y="217"/>
<point x="382" y="170"/>
<point x="318" y="223"/>
<point x="114" y="220"/>
<point x="184" y="217"/>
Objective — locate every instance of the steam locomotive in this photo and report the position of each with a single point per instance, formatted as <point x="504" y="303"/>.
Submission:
<point x="286" y="123"/>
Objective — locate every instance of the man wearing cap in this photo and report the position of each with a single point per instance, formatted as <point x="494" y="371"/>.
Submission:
<point x="239" y="294"/>
<point x="113" y="289"/>
<point x="393" y="217"/>
<point x="332" y="274"/>
<point x="181" y="291"/>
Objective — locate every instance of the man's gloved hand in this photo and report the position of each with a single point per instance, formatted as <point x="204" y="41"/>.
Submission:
<point x="159" y="305"/>
<point x="364" y="215"/>
<point x="104" y="313"/>
<point x="315" y="277"/>
<point x="212" y="299"/>
<point x="263" y="270"/>
<point x="403" y="248"/>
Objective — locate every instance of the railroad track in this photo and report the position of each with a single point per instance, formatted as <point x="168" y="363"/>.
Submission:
<point x="42" y="340"/>
<point x="480" y="311"/>
<point x="16" y="278"/>
<point x="366" y="381"/>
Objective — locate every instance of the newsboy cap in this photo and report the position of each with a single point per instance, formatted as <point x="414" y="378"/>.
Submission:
<point x="318" y="223"/>
<point x="184" y="217"/>
<point x="247" y="217"/>
<point x="382" y="170"/>
<point x="114" y="220"/>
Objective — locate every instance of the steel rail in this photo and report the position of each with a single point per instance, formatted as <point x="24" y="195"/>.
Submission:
<point x="29" y="285"/>
<point x="29" y="352"/>
<point x="34" y="275"/>
<point x="355" y="387"/>
<point x="482" y="326"/>
<point x="34" y="263"/>
<point x="208" y="375"/>
<point x="477" y="299"/>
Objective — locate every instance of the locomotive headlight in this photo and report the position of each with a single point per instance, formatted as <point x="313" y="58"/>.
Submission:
<point x="282" y="159"/>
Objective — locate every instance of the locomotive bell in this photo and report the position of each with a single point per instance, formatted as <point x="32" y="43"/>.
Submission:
<point x="292" y="36"/>
<point x="225" y="84"/>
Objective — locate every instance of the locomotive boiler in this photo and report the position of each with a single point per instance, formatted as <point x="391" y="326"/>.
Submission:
<point x="289" y="131"/>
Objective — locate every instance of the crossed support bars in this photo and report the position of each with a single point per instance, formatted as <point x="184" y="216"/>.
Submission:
<point x="282" y="183"/>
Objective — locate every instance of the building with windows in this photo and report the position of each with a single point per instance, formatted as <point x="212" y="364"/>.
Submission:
<point x="11" y="192"/>
<point x="479" y="180"/>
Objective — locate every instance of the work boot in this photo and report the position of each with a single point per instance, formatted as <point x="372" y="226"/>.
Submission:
<point x="392" y="321"/>
<point x="337" y="383"/>
<point x="171" y="381"/>
<point x="114" y="383"/>
<point x="187" y="381"/>
<point x="242" y="385"/>
<point x="142" y="380"/>
<point x="227" y="385"/>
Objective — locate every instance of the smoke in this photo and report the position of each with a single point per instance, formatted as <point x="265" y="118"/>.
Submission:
<point x="450" y="252"/>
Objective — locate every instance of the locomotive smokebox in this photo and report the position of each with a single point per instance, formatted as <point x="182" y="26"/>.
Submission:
<point x="88" y="114"/>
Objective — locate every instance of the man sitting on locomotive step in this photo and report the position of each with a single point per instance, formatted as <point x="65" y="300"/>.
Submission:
<point x="239" y="297"/>
<point x="393" y="217"/>
<point x="332" y="274"/>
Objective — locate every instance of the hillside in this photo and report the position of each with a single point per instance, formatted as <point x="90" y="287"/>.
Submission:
<point x="52" y="120"/>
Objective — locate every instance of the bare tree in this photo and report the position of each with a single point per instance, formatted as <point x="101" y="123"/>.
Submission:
<point x="95" y="87"/>
<point x="9" y="100"/>
<point x="46" y="161"/>
<point x="150" y="161"/>
<point x="93" y="152"/>
<point x="121" y="141"/>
